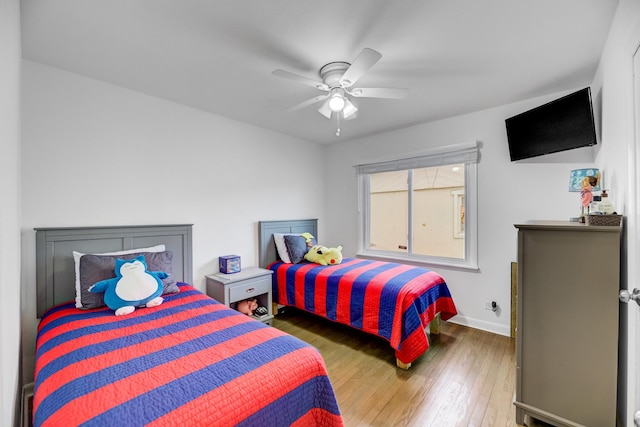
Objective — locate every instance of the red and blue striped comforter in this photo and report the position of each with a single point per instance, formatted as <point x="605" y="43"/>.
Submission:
<point x="390" y="300"/>
<point x="189" y="361"/>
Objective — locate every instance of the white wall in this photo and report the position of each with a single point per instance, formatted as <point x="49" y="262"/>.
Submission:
<point x="97" y="154"/>
<point x="10" y="212"/>
<point x="509" y="193"/>
<point x="615" y="76"/>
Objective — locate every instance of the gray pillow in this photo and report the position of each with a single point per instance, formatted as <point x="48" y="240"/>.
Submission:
<point x="297" y="247"/>
<point x="94" y="268"/>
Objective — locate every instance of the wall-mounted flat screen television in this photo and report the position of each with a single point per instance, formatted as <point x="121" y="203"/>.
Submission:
<point x="563" y="124"/>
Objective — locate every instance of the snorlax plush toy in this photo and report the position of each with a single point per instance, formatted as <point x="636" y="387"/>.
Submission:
<point x="132" y="287"/>
<point x="324" y="256"/>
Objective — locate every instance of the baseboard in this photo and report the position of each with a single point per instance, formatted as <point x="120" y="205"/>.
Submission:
<point x="483" y="325"/>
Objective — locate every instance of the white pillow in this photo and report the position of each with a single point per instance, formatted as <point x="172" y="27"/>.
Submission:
<point x="282" y="247"/>
<point x="78" y="255"/>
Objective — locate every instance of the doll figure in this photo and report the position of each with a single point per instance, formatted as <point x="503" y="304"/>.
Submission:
<point x="247" y="306"/>
<point x="586" y="196"/>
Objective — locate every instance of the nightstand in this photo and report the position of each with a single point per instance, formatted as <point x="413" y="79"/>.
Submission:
<point x="251" y="282"/>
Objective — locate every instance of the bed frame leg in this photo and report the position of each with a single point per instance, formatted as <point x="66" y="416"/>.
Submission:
<point x="402" y="365"/>
<point x="434" y="328"/>
<point x="434" y="325"/>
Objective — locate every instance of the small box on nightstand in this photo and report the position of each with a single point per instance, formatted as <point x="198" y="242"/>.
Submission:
<point x="229" y="264"/>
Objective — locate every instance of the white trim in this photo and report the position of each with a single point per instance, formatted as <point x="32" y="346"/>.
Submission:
<point x="631" y="316"/>
<point x="458" y="226"/>
<point x="421" y="261"/>
<point x="483" y="325"/>
<point x="467" y="153"/>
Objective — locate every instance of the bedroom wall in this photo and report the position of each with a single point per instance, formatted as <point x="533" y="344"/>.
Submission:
<point x="615" y="76"/>
<point x="509" y="193"/>
<point x="10" y="223"/>
<point x="97" y="154"/>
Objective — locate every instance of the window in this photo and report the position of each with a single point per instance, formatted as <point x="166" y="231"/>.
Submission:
<point x="421" y="209"/>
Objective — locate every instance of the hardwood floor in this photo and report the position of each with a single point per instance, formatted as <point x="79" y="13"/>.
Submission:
<point x="466" y="378"/>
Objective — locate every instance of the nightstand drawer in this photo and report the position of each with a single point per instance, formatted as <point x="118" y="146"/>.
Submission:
<point x="249" y="289"/>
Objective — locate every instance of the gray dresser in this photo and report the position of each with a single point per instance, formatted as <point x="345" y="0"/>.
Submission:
<point x="567" y="323"/>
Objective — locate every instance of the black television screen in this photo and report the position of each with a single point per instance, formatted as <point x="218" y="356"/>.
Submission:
<point x="562" y="124"/>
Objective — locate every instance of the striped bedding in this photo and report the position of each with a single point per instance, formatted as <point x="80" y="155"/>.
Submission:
<point x="390" y="300"/>
<point x="189" y="361"/>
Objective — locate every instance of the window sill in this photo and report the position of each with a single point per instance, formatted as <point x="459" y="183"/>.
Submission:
<point x="432" y="262"/>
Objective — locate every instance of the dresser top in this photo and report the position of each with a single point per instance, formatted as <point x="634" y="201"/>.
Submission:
<point x="566" y="225"/>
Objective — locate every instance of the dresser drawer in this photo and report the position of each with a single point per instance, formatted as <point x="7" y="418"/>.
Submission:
<point x="250" y="288"/>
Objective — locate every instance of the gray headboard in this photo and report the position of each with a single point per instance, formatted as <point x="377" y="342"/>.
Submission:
<point x="55" y="270"/>
<point x="267" y="250"/>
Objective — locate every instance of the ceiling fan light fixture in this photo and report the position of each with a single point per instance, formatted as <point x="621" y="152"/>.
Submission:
<point x="324" y="109"/>
<point x="337" y="81"/>
<point x="349" y="109"/>
<point x="337" y="100"/>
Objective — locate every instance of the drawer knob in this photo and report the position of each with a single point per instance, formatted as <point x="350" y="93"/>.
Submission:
<point x="250" y="290"/>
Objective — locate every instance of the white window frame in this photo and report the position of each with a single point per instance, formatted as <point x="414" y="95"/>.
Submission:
<point x="458" y="226"/>
<point x="467" y="154"/>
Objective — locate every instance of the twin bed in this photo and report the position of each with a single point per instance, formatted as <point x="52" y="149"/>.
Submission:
<point x="188" y="361"/>
<point x="194" y="361"/>
<point x="393" y="301"/>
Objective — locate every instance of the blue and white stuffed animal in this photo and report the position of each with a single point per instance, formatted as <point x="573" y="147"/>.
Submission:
<point x="132" y="287"/>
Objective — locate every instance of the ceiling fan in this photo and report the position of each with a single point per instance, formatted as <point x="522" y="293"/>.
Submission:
<point x="338" y="80"/>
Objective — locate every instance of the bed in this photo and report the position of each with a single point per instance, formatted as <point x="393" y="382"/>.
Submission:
<point x="394" y="301"/>
<point x="187" y="361"/>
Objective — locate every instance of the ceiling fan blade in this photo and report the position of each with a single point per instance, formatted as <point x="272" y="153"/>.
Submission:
<point x="325" y="110"/>
<point x="308" y="102"/>
<point x="380" y="92"/>
<point x="300" y="79"/>
<point x="363" y="62"/>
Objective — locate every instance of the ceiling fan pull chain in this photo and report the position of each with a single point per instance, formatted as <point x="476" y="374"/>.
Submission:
<point x="338" y="117"/>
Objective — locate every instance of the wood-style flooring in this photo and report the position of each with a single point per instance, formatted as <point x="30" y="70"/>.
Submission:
<point x="466" y="377"/>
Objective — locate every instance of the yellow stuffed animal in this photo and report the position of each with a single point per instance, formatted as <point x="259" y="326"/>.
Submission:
<point x="324" y="256"/>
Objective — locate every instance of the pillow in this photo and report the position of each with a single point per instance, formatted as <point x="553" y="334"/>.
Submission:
<point x="278" y="238"/>
<point x="297" y="247"/>
<point x="95" y="268"/>
<point x="78" y="255"/>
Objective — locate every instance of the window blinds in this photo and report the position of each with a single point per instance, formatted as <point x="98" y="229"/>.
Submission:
<point x="468" y="153"/>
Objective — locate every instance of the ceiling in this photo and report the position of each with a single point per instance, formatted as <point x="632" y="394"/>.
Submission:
<point x="454" y="56"/>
